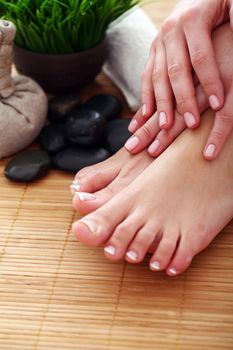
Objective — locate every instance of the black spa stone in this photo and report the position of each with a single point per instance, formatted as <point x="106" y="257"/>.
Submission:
<point x="75" y="158"/>
<point x="85" y="127"/>
<point x="107" y="106"/>
<point x="116" y="134"/>
<point x="28" y="166"/>
<point x="53" y="138"/>
<point x="61" y="105"/>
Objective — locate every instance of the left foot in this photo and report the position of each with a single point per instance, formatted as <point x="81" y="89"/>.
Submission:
<point x="177" y="205"/>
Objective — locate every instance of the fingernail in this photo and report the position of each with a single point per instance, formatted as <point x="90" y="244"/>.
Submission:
<point x="132" y="255"/>
<point x="144" y="110"/>
<point x="189" y="119"/>
<point x="132" y="143"/>
<point x="210" y="150"/>
<point x="110" y="250"/>
<point x="74" y="188"/>
<point x="214" y="102"/>
<point x="91" y="225"/>
<point x="162" y="119"/>
<point x="172" y="271"/>
<point x="83" y="196"/>
<point x="133" y="126"/>
<point x="155" y="266"/>
<point x="154" y="147"/>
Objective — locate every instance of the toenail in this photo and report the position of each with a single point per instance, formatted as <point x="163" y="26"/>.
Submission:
<point x="83" y="196"/>
<point x="91" y="225"/>
<point x="155" y="266"/>
<point x="172" y="271"/>
<point x="110" y="250"/>
<point x="132" y="255"/>
<point x="132" y="143"/>
<point x="74" y="188"/>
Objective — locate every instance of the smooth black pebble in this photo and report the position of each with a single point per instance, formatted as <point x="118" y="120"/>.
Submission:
<point x="74" y="159"/>
<point x="107" y="106"/>
<point x="61" y="105"/>
<point x="53" y="138"/>
<point x="85" y="127"/>
<point x="116" y="134"/>
<point x="28" y="166"/>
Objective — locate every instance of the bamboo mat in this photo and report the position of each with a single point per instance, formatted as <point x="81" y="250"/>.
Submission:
<point x="58" y="294"/>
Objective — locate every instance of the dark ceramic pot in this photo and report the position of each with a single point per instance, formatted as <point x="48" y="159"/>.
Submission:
<point x="61" y="73"/>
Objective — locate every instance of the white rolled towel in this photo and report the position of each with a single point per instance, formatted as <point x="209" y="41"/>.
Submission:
<point x="129" y="41"/>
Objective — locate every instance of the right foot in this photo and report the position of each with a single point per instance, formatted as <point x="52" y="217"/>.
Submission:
<point x="93" y="186"/>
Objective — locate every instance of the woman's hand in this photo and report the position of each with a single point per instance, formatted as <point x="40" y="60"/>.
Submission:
<point x="182" y="49"/>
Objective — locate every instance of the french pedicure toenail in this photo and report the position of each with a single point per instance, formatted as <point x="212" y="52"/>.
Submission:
<point x="90" y="224"/>
<point x="189" y="119"/>
<point x="132" y="255"/>
<point x="74" y="188"/>
<point x="162" y="119"/>
<point x="83" y="196"/>
<point x="155" y="266"/>
<point x="172" y="271"/>
<point x="210" y="150"/>
<point x="214" y="102"/>
<point x="132" y="143"/>
<point x="110" y="250"/>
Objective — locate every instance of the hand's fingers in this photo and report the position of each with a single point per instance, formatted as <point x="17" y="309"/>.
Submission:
<point x="148" y="106"/>
<point x="162" y="88"/>
<point x="203" y="58"/>
<point x="180" y="73"/>
<point x="223" y="125"/>
<point x="231" y="15"/>
<point x="143" y="136"/>
<point x="164" y="139"/>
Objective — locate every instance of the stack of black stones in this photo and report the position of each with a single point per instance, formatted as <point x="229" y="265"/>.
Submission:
<point x="77" y="135"/>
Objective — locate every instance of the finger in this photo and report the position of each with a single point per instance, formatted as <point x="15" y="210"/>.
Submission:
<point x="162" y="88"/>
<point x="180" y="74"/>
<point x="223" y="126"/>
<point x="143" y="136"/>
<point x="148" y="106"/>
<point x="164" y="139"/>
<point x="203" y="61"/>
<point x="231" y="15"/>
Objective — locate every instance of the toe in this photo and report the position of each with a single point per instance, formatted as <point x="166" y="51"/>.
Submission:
<point x="117" y="245"/>
<point x="143" y="240"/>
<point x="165" y="251"/>
<point x="182" y="257"/>
<point x="96" y="228"/>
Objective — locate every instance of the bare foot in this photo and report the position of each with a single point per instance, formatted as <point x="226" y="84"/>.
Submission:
<point x="179" y="203"/>
<point x="95" y="185"/>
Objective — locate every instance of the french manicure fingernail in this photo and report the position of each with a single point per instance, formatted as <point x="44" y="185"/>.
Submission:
<point x="154" y="147"/>
<point x="172" y="271"/>
<point x="210" y="150"/>
<point x="132" y="143"/>
<point x="132" y="255"/>
<point x="155" y="266"/>
<point x="74" y="188"/>
<point x="110" y="250"/>
<point x="133" y="126"/>
<point x="162" y="119"/>
<point x="189" y="119"/>
<point x="83" y="196"/>
<point x="144" y="110"/>
<point x="214" y="102"/>
<point x="91" y="225"/>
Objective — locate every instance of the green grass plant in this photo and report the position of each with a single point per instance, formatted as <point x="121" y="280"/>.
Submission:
<point x="62" y="26"/>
